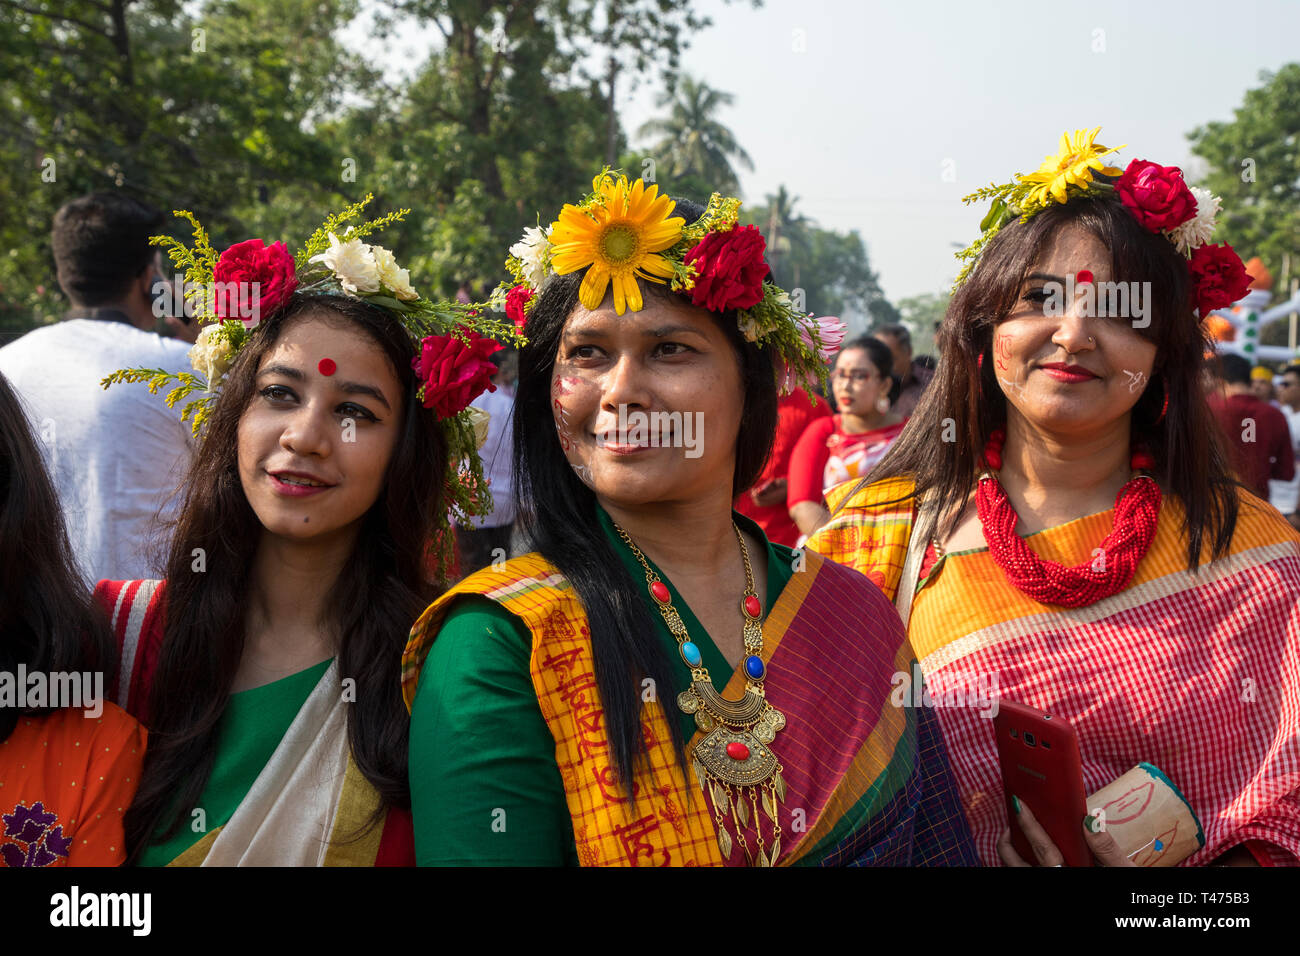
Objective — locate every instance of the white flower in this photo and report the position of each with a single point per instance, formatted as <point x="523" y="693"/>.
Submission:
<point x="352" y="263"/>
<point x="479" y="419"/>
<point x="1197" y="231"/>
<point x="532" y="250"/>
<point x="211" y="355"/>
<point x="396" y="279"/>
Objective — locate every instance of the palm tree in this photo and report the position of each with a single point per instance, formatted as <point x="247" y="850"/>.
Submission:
<point x="787" y="231"/>
<point x="695" y="144"/>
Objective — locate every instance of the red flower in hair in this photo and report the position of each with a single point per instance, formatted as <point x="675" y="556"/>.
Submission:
<point x="516" y="299"/>
<point x="1156" y="195"/>
<point x="1218" y="277"/>
<point x="244" y="263"/>
<point x="454" y="373"/>
<point x="729" y="269"/>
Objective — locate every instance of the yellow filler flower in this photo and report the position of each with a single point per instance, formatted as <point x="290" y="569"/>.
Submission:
<point x="619" y="234"/>
<point x="1071" y="166"/>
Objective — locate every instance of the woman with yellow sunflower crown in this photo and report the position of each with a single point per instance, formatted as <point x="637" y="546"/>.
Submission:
<point x="652" y="684"/>
<point x="1110" y="570"/>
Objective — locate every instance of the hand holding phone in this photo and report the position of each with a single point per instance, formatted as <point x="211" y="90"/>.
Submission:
<point x="1039" y="756"/>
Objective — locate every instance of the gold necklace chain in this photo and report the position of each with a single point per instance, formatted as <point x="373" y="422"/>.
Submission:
<point x="733" y="764"/>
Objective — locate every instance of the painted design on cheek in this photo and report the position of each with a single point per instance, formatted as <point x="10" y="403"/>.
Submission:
<point x="1083" y="277"/>
<point x="1136" y="380"/>
<point x="327" y="367"/>
<point x="561" y="425"/>
<point x="1002" y="353"/>
<point x="1016" y="387"/>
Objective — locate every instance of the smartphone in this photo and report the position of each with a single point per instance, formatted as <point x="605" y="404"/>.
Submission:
<point x="1039" y="755"/>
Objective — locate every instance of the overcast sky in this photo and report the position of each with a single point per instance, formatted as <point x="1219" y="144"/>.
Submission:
<point x="860" y="108"/>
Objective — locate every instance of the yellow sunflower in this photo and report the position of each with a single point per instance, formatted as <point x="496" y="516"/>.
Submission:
<point x="1071" y="166"/>
<point x="620" y="237"/>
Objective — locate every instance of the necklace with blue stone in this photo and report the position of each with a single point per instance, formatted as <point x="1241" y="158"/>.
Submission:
<point x="734" y="765"/>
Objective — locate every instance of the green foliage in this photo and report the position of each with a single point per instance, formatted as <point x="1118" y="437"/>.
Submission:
<point x="693" y="152"/>
<point x="921" y="314"/>
<point x="1254" y="166"/>
<point x="832" y="268"/>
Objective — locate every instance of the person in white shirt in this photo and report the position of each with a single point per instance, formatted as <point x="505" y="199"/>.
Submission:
<point x="488" y="539"/>
<point x="116" y="456"/>
<point x="1285" y="495"/>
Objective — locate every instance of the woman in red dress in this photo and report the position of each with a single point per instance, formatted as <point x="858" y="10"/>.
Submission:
<point x="848" y="443"/>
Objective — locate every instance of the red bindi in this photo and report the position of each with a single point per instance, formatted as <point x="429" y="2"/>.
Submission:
<point x="1083" y="278"/>
<point x="327" y="367"/>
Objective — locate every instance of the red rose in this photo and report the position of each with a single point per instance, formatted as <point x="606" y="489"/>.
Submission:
<point x="729" y="269"/>
<point x="248" y="262"/>
<point x="1218" y="277"/>
<point x="516" y="299"/>
<point x="453" y="373"/>
<point x="1156" y="195"/>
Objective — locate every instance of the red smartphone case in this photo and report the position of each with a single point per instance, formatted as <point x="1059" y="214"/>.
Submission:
<point x="1039" y="755"/>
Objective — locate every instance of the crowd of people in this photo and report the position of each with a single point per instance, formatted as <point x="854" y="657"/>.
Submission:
<point x="405" y="595"/>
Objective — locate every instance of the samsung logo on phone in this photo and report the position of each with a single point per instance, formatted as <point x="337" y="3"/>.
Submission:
<point x="1032" y="773"/>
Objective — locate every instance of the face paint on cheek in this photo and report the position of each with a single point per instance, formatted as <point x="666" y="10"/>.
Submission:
<point x="1136" y="380"/>
<point x="1002" y="352"/>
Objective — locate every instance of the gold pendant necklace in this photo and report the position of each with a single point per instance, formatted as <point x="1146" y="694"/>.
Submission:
<point x="733" y="763"/>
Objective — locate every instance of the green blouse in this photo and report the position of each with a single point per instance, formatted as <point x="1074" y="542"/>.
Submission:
<point x="485" y="788"/>
<point x="254" y="723"/>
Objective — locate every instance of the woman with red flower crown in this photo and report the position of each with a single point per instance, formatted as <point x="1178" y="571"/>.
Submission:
<point x="652" y="684"/>
<point x="266" y="663"/>
<point x="1110" y="569"/>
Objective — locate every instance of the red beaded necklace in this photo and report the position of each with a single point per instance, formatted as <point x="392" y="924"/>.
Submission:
<point x="1137" y="510"/>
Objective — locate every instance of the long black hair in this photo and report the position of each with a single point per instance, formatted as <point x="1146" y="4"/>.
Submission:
<point x="48" y="620"/>
<point x="1191" y="458"/>
<point x="558" y="514"/>
<point x="380" y="590"/>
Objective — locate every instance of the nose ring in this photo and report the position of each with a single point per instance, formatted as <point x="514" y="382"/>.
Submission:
<point x="1090" y="339"/>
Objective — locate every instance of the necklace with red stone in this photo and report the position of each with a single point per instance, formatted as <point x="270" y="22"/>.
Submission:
<point x="733" y="763"/>
<point x="1114" y="562"/>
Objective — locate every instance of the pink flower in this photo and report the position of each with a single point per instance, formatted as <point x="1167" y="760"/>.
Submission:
<point x="1156" y="195"/>
<point x="454" y="373"/>
<point x="516" y="299"/>
<point x="830" y="333"/>
<point x="729" y="269"/>
<point x="248" y="262"/>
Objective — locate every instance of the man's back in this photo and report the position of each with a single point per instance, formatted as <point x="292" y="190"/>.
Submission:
<point x="1259" y="439"/>
<point x="115" y="456"/>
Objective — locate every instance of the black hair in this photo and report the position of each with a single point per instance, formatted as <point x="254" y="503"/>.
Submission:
<point x="877" y="351"/>
<point x="48" y="619"/>
<point x="1191" y="457"/>
<point x="558" y="514"/>
<point x="101" y="244"/>
<point x="1234" y="369"/>
<point x="381" y="589"/>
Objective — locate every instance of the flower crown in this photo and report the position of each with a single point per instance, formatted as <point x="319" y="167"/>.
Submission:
<point x="1156" y="196"/>
<point x="622" y="232"/>
<point x="231" y="293"/>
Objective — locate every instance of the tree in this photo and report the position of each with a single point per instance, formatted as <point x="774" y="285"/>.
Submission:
<point x="695" y="148"/>
<point x="786" y="231"/>
<point x="830" y="270"/>
<point x="210" y="112"/>
<point x="921" y="314"/>
<point x="1254" y="165"/>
